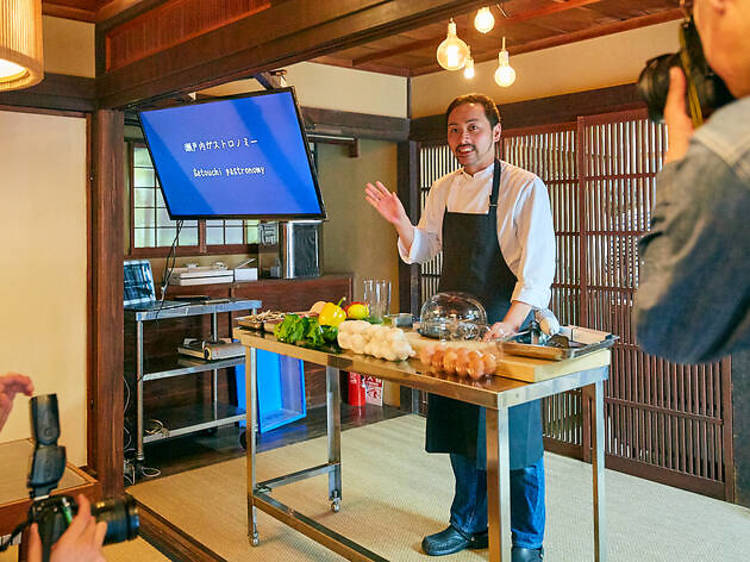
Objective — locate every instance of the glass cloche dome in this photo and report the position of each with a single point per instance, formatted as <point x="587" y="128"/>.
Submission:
<point x="453" y="316"/>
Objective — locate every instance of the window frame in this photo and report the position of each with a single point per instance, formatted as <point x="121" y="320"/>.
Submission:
<point x="201" y="249"/>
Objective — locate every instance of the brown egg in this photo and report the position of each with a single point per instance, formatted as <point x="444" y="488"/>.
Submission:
<point x="476" y="365"/>
<point x="437" y="358"/>
<point x="449" y="361"/>
<point x="462" y="361"/>
<point x="490" y="363"/>
<point x="425" y="355"/>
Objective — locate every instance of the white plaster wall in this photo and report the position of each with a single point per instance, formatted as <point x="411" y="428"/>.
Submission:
<point x="68" y="47"/>
<point x="43" y="263"/>
<point x="333" y="87"/>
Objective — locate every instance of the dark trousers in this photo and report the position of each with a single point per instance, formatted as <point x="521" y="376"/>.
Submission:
<point x="527" y="513"/>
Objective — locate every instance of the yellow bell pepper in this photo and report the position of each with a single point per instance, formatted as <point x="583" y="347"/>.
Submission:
<point x="332" y="314"/>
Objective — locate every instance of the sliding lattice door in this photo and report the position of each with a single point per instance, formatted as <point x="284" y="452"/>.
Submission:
<point x="664" y="421"/>
<point x="436" y="161"/>
<point x="550" y="152"/>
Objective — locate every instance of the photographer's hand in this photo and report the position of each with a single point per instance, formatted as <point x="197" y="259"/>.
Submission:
<point x="676" y="117"/>
<point x="10" y="385"/>
<point x="81" y="541"/>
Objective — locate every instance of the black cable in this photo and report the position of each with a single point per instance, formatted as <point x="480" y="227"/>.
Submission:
<point x="168" y="269"/>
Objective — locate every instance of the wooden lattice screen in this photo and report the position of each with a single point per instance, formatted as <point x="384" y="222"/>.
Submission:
<point x="666" y="422"/>
<point x="550" y="152"/>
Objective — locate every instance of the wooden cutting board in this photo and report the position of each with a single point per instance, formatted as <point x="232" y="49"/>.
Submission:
<point x="521" y="368"/>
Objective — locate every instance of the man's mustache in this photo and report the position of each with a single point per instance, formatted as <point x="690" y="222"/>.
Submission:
<point x="460" y="146"/>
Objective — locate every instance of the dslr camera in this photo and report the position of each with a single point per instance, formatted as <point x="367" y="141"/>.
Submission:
<point x="705" y="90"/>
<point x="53" y="514"/>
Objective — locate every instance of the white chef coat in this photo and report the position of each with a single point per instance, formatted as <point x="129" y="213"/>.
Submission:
<point x="525" y="232"/>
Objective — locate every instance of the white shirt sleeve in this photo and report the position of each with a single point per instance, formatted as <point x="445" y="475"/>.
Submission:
<point x="535" y="235"/>
<point x="428" y="233"/>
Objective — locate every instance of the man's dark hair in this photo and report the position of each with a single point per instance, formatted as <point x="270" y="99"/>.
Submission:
<point x="490" y="109"/>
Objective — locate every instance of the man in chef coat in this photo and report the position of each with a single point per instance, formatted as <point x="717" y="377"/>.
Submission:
<point x="493" y="223"/>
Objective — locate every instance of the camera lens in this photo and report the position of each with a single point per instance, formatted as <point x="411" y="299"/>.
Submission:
<point x="121" y="515"/>
<point x="653" y="83"/>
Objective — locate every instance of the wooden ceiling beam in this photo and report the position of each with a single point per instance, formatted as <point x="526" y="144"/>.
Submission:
<point x="520" y="17"/>
<point x="114" y="7"/>
<point x="93" y="11"/>
<point x="409" y="47"/>
<point x="546" y="11"/>
<point x="581" y="35"/>
<point x="68" y="12"/>
<point x="287" y="32"/>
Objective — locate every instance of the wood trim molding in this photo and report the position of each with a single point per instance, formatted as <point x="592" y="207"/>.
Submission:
<point x="56" y="91"/>
<point x="106" y="312"/>
<point x="68" y="12"/>
<point x="351" y="124"/>
<point x="531" y="113"/>
<point x="170" y="540"/>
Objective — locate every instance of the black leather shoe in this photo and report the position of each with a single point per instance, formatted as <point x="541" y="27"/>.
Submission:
<point x="520" y="554"/>
<point x="452" y="540"/>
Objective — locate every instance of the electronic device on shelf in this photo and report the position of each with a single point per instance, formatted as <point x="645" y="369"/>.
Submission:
<point x="224" y="348"/>
<point x="200" y="275"/>
<point x="139" y="292"/>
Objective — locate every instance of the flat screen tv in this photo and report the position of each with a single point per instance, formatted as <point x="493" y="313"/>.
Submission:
<point x="239" y="157"/>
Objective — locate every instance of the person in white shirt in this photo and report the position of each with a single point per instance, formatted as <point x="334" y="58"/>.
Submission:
<point x="492" y="221"/>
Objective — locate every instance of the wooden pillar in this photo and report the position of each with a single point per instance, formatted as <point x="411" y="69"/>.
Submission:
<point x="408" y="275"/>
<point x="408" y="192"/>
<point x="105" y="386"/>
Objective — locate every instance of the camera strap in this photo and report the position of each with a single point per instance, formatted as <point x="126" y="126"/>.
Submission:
<point x="694" y="104"/>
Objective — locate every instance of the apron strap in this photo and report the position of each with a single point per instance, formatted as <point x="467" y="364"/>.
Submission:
<point x="495" y="183"/>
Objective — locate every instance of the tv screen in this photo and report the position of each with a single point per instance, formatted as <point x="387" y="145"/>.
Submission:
<point x="242" y="157"/>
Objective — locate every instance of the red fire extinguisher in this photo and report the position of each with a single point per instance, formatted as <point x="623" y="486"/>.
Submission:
<point x="356" y="390"/>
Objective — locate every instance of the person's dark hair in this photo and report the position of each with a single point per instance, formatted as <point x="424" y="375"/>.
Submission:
<point x="490" y="109"/>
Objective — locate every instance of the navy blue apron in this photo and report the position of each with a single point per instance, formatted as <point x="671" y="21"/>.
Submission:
<point x="473" y="263"/>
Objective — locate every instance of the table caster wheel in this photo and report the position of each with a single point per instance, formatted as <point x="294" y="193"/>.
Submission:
<point x="336" y="505"/>
<point x="255" y="540"/>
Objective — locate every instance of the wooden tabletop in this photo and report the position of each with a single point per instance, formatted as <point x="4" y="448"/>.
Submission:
<point x="15" y="459"/>
<point x="489" y="392"/>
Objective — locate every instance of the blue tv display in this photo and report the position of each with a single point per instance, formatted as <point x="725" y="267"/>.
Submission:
<point x="240" y="157"/>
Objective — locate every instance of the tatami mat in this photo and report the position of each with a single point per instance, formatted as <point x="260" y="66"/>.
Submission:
<point x="394" y="493"/>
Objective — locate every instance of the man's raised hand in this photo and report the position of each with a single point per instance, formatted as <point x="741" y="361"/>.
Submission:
<point x="386" y="203"/>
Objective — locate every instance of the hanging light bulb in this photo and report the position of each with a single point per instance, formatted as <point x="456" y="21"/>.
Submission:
<point x="504" y="75"/>
<point x="452" y="52"/>
<point x="469" y="67"/>
<point x="484" y="20"/>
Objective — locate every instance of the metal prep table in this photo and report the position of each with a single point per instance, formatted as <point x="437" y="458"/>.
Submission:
<point x="496" y="394"/>
<point x="193" y="365"/>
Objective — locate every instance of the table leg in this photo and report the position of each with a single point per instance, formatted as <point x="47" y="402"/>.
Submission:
<point x="139" y="372"/>
<point x="215" y="372"/>
<point x="333" y="428"/>
<point x="597" y="465"/>
<point x="415" y="395"/>
<point x="498" y="484"/>
<point x="251" y="366"/>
